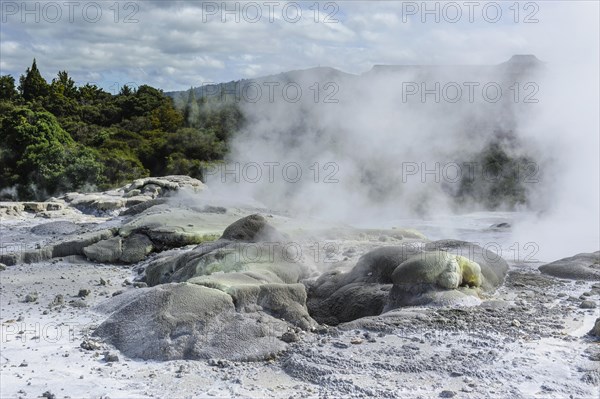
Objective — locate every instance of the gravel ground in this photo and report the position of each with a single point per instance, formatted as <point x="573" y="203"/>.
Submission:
<point x="527" y="340"/>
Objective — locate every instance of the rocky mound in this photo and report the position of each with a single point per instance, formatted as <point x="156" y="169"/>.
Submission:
<point x="253" y="228"/>
<point x="188" y="321"/>
<point x="148" y="191"/>
<point x="45" y="209"/>
<point x="584" y="266"/>
<point x="226" y="299"/>
<point x="444" y="272"/>
<point x="128" y="241"/>
<point x="55" y="228"/>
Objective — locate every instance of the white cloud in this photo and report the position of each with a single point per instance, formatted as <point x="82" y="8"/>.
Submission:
<point x="177" y="41"/>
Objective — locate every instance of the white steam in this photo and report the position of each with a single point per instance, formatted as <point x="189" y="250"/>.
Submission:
<point x="382" y="150"/>
<point x="366" y="145"/>
<point x="568" y="127"/>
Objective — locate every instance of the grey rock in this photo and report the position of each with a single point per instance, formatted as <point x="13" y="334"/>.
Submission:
<point x="500" y="226"/>
<point x="136" y="196"/>
<point x="447" y="394"/>
<point x="31" y="297"/>
<point x="68" y="246"/>
<point x="287" y="302"/>
<point x="16" y="209"/>
<point x="79" y="303"/>
<point x="289" y="337"/>
<point x="336" y="298"/>
<point x="106" y="251"/>
<point x="583" y="266"/>
<point x="213" y="209"/>
<point x="340" y="345"/>
<point x="90" y="345"/>
<point x="55" y="228"/>
<point x="443" y="273"/>
<point x="254" y="300"/>
<point x="58" y="300"/>
<point x="493" y="268"/>
<point x="76" y="245"/>
<point x="11" y="209"/>
<point x="226" y="256"/>
<point x="48" y="395"/>
<point x="98" y="203"/>
<point x="588" y="305"/>
<point x="378" y="265"/>
<point x="167" y="183"/>
<point x="132" y="193"/>
<point x="595" y="331"/>
<point x="141" y="207"/>
<point x="591" y="377"/>
<point x="188" y="321"/>
<point x="36" y="256"/>
<point x="593" y="354"/>
<point x="220" y="363"/>
<point x="111" y="357"/>
<point x="348" y="302"/>
<point x="135" y="248"/>
<point x="172" y="227"/>
<point x="253" y="228"/>
<point x="10" y="259"/>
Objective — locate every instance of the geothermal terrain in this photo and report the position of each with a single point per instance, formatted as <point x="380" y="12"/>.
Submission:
<point x="159" y="290"/>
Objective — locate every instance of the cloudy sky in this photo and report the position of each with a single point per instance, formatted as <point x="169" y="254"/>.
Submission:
<point x="176" y="45"/>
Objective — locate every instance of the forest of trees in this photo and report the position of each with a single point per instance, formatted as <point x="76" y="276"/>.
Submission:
<point x="57" y="137"/>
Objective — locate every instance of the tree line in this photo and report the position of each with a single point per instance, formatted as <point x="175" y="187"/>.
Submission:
<point x="57" y="137"/>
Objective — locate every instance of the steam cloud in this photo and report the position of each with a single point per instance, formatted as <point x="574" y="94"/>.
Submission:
<point x="393" y="142"/>
<point x="372" y="135"/>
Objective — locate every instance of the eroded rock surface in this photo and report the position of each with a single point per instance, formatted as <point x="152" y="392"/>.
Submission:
<point x="225" y="299"/>
<point x="17" y="209"/>
<point x="173" y="227"/>
<point x="155" y="229"/>
<point x="438" y="273"/>
<point x="253" y="228"/>
<point x="131" y="197"/>
<point x="584" y="266"/>
<point x="189" y="321"/>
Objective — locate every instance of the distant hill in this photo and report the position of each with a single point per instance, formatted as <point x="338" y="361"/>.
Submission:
<point x="303" y="77"/>
<point x="516" y="65"/>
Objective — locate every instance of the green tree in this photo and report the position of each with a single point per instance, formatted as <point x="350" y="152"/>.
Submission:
<point x="125" y="91"/>
<point x="64" y="85"/>
<point x="91" y="94"/>
<point x="32" y="85"/>
<point x="40" y="157"/>
<point x="7" y="88"/>
<point x="166" y="117"/>
<point x="59" y="137"/>
<point x="62" y="98"/>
